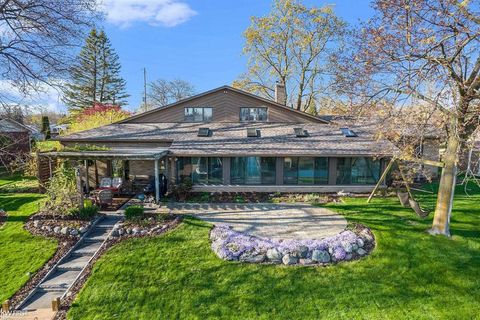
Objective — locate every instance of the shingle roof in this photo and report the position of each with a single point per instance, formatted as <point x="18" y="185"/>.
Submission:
<point x="231" y="138"/>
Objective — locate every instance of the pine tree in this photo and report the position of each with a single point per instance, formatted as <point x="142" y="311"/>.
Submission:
<point x="95" y="78"/>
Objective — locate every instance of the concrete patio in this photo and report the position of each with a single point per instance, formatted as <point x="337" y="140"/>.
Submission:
<point x="274" y="221"/>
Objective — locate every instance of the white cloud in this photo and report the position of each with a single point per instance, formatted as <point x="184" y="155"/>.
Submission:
<point x="46" y="98"/>
<point x="168" y="13"/>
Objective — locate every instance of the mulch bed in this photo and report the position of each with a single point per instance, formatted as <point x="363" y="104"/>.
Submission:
<point x="64" y="246"/>
<point x="77" y="286"/>
<point x="258" y="197"/>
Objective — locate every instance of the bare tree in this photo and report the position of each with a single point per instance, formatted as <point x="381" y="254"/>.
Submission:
<point x="37" y="38"/>
<point x="163" y="92"/>
<point x="292" y="45"/>
<point x="422" y="51"/>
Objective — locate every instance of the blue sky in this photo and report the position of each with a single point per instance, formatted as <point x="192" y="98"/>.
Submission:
<point x="195" y="40"/>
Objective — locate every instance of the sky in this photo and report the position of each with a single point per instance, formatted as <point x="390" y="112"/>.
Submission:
<point x="199" y="41"/>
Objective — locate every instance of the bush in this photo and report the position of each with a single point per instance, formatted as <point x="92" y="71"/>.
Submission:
<point x="134" y="212"/>
<point x="87" y="213"/>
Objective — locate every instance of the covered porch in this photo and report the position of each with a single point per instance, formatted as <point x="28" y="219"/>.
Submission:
<point x="135" y="169"/>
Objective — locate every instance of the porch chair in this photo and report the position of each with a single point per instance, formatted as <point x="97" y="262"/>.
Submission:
<point x="105" y="197"/>
<point x="105" y="183"/>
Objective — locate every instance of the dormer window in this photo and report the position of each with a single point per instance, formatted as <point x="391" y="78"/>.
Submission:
<point x="253" y="114"/>
<point x="198" y="114"/>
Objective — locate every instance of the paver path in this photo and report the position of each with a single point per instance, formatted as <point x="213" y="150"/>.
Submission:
<point x="274" y="221"/>
<point x="69" y="268"/>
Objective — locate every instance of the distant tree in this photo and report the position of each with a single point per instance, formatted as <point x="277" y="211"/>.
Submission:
<point x="36" y="40"/>
<point x="292" y="44"/>
<point x="46" y="127"/>
<point x="96" y="116"/>
<point x="163" y="92"/>
<point x="95" y="78"/>
<point x="422" y="52"/>
<point x="15" y="112"/>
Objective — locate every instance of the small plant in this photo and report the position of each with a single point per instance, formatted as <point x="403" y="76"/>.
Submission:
<point x="239" y="199"/>
<point x="205" y="197"/>
<point x="86" y="213"/>
<point x="134" y="212"/>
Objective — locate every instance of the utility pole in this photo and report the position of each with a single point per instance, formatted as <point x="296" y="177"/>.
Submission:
<point x="145" y="88"/>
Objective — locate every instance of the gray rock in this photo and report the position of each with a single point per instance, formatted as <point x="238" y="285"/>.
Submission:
<point x="289" y="259"/>
<point x="366" y="236"/>
<point x="354" y="246"/>
<point x="129" y="231"/>
<point x="74" y="232"/>
<point x="274" y="255"/>
<point x="82" y="230"/>
<point x="135" y="231"/>
<point x="48" y="228"/>
<point x="114" y="233"/>
<point x="347" y="246"/>
<point x="252" y="258"/>
<point x="360" y="242"/>
<point x="143" y="232"/>
<point x="57" y="229"/>
<point x="361" y="252"/>
<point x="306" y="262"/>
<point x="121" y="231"/>
<point x="301" y="252"/>
<point x="36" y="223"/>
<point x="64" y="230"/>
<point x="348" y="257"/>
<point x="321" y="256"/>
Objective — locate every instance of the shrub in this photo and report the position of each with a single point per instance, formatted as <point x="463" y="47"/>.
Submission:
<point x="134" y="212"/>
<point x="87" y="213"/>
<point x="62" y="189"/>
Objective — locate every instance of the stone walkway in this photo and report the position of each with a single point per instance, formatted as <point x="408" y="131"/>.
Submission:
<point x="64" y="274"/>
<point x="274" y="221"/>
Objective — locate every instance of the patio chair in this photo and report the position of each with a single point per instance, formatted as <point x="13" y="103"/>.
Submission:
<point x="105" y="183"/>
<point x="105" y="197"/>
<point x="416" y="207"/>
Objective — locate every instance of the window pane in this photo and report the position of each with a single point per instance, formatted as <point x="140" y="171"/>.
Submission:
<point x="262" y="114"/>
<point x="199" y="170"/>
<point x="343" y="170"/>
<point x="305" y="170"/>
<point x="184" y="170"/>
<point x="268" y="170"/>
<point x="207" y="114"/>
<point x="188" y="114"/>
<point x="365" y="171"/>
<point x="252" y="174"/>
<point x="215" y="170"/>
<point x="321" y="170"/>
<point x="253" y="114"/>
<point x="237" y="170"/>
<point x="198" y="114"/>
<point x="290" y="170"/>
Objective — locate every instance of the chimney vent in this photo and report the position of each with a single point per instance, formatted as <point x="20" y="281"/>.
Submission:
<point x="280" y="93"/>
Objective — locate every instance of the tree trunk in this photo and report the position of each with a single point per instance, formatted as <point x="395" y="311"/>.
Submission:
<point x="446" y="189"/>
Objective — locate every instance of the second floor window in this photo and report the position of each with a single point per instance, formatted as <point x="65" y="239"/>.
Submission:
<point x="198" y="114"/>
<point x="253" y="114"/>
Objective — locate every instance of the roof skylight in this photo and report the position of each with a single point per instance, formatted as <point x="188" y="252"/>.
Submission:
<point x="348" y="133"/>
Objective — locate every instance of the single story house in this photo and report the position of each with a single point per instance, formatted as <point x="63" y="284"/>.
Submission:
<point x="228" y="140"/>
<point x="15" y="140"/>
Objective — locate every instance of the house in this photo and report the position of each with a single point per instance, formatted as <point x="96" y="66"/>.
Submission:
<point x="57" y="129"/>
<point x="15" y="140"/>
<point x="228" y="140"/>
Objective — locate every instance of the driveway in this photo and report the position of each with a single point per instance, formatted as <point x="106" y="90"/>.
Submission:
<point x="274" y="221"/>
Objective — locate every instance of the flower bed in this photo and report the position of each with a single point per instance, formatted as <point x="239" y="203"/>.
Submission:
<point x="63" y="227"/>
<point x="237" y="246"/>
<point x="150" y="225"/>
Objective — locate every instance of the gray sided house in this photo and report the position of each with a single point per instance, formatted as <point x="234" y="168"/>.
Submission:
<point x="228" y="140"/>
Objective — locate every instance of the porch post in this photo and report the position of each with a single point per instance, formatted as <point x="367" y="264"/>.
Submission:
<point x="87" y="184"/>
<point x="157" y="183"/>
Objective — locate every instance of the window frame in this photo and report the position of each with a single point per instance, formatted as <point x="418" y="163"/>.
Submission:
<point x="249" y="114"/>
<point x="185" y="109"/>
<point x="263" y="174"/>
<point x="295" y="178"/>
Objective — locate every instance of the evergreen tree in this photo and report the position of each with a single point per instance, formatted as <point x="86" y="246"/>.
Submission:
<point x="46" y="127"/>
<point x="95" y="77"/>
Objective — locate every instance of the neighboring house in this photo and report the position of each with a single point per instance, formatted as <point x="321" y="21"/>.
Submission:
<point x="228" y="140"/>
<point x="57" y="129"/>
<point x="35" y="132"/>
<point x="15" y="140"/>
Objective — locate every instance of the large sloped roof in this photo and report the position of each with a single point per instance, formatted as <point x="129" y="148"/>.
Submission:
<point x="231" y="138"/>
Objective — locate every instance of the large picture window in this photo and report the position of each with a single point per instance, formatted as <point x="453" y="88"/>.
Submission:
<point x="253" y="114"/>
<point x="200" y="170"/>
<point x="305" y="170"/>
<point x="360" y="170"/>
<point x="252" y="170"/>
<point x="198" y="114"/>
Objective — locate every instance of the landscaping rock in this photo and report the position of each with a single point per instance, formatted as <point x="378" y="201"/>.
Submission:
<point x="121" y="231"/>
<point x="252" y="257"/>
<point x="57" y="229"/>
<point x="301" y="252"/>
<point x="36" y="223"/>
<point x="143" y="232"/>
<point x="64" y="230"/>
<point x="360" y="243"/>
<point x="306" y="262"/>
<point x="348" y="257"/>
<point x="361" y="252"/>
<point x="274" y="255"/>
<point x="114" y="233"/>
<point x="82" y="230"/>
<point x="366" y="235"/>
<point x="129" y="231"/>
<point x="74" y="232"/>
<point x="135" y="231"/>
<point x="320" y="256"/>
<point x="289" y="259"/>
<point x="348" y="247"/>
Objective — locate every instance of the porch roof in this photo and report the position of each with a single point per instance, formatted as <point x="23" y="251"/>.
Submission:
<point x="122" y="154"/>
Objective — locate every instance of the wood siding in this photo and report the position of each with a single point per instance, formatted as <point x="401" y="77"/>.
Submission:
<point x="226" y="106"/>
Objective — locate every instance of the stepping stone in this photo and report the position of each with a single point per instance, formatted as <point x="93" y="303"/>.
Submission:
<point x="88" y="247"/>
<point x="75" y="261"/>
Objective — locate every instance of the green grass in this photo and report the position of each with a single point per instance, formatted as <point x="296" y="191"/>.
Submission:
<point x="410" y="274"/>
<point x="20" y="252"/>
<point x="17" y="183"/>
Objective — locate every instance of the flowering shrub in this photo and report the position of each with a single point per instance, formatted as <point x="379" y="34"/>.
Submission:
<point x="229" y="244"/>
<point x="96" y="116"/>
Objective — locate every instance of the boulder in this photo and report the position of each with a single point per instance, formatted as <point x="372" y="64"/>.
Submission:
<point x="348" y="256"/>
<point x="321" y="256"/>
<point x="361" y="251"/>
<point x="306" y="262"/>
<point x="82" y="230"/>
<point x="36" y="223"/>
<point x="135" y="231"/>
<point x="301" y="252"/>
<point x="74" y="232"/>
<point x="274" y="255"/>
<point x="348" y="247"/>
<point x="114" y="233"/>
<point x="57" y="229"/>
<point x="360" y="242"/>
<point x="289" y="259"/>
<point x="48" y="228"/>
<point x="252" y="257"/>
<point x="64" y="230"/>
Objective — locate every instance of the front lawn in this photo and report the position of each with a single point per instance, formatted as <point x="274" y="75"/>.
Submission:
<point x="410" y="275"/>
<point x="21" y="253"/>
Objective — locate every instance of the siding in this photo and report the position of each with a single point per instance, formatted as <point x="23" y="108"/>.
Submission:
<point x="226" y="106"/>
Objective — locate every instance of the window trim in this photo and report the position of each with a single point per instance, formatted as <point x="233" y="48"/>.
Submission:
<point x="203" y="114"/>
<point x="240" y="114"/>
